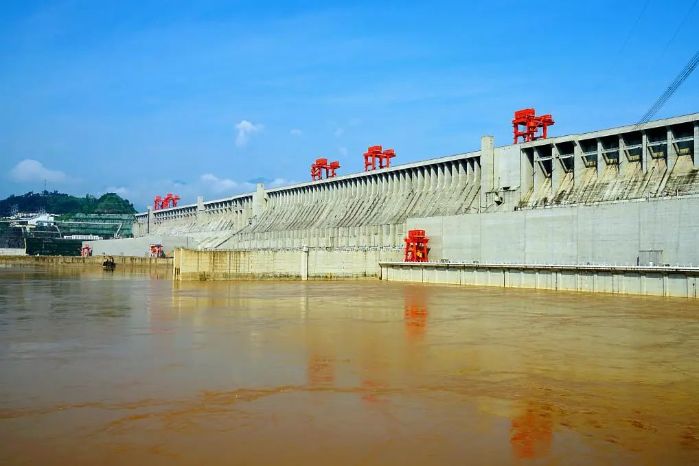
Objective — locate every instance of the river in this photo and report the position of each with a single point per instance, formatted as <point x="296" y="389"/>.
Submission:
<point x="131" y="368"/>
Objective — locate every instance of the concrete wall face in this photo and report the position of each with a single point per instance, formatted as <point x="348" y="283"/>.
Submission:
<point x="606" y="234"/>
<point x="12" y="252"/>
<point x="654" y="281"/>
<point x="368" y="209"/>
<point x="288" y="263"/>
<point x="162" y="264"/>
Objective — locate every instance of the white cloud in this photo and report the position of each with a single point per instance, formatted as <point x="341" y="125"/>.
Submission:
<point x="342" y="150"/>
<point x="245" y="130"/>
<point x="122" y="191"/>
<point x="296" y="132"/>
<point x="208" y="185"/>
<point x="215" y="184"/>
<point x="339" y="132"/>
<point x="212" y="184"/>
<point x="275" y="183"/>
<point x="33" y="170"/>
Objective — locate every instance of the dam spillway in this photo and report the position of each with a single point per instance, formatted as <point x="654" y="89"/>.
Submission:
<point x="620" y="196"/>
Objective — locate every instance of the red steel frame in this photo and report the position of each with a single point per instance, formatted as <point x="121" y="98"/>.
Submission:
<point x="526" y="125"/>
<point x="416" y="249"/>
<point x="170" y="200"/>
<point x="321" y="167"/>
<point x="376" y="154"/>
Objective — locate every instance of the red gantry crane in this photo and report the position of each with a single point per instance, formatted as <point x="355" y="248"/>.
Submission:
<point x="376" y="154"/>
<point x="375" y="157"/>
<point x="170" y="200"/>
<point x="321" y="167"/>
<point x="526" y="125"/>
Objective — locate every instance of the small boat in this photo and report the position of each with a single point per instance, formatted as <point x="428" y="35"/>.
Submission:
<point x="109" y="264"/>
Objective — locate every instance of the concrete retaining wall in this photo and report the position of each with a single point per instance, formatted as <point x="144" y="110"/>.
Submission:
<point x="656" y="281"/>
<point x="619" y="233"/>
<point x="12" y="252"/>
<point x="126" y="262"/>
<point x="312" y="263"/>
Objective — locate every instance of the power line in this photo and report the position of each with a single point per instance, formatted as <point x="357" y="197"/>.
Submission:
<point x="633" y="27"/>
<point x="681" y="77"/>
<point x="678" y="29"/>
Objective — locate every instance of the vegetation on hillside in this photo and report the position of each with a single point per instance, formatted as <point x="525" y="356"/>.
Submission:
<point x="60" y="203"/>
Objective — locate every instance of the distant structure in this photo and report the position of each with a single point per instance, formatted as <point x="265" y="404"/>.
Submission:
<point x="166" y="202"/>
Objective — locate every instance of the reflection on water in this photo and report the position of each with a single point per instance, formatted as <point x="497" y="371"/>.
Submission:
<point x="321" y="371"/>
<point x="131" y="368"/>
<point x="532" y="431"/>
<point x="415" y="312"/>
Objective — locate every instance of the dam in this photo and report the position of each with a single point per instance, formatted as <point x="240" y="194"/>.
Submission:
<point x="625" y="196"/>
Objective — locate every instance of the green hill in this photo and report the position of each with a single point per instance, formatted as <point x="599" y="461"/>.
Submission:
<point x="60" y="203"/>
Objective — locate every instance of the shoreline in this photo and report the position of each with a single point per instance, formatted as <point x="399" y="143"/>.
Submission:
<point x="124" y="261"/>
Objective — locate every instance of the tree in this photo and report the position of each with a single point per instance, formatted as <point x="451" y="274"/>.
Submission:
<point x="61" y="203"/>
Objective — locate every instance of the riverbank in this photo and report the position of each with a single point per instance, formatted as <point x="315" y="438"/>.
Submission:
<point x="121" y="261"/>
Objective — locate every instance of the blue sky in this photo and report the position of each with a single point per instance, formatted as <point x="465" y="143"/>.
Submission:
<point x="146" y="97"/>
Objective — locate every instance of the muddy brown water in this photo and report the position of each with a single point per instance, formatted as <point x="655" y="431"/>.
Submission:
<point x="131" y="368"/>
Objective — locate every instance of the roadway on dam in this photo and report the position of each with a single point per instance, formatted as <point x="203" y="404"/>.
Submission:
<point x="133" y="368"/>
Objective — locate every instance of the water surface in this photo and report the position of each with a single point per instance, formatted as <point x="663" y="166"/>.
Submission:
<point x="100" y="368"/>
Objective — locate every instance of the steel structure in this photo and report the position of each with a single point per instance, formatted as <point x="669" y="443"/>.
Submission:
<point x="526" y="125"/>
<point x="416" y="249"/>
<point x="170" y="200"/>
<point x="376" y="155"/>
<point x="322" y="168"/>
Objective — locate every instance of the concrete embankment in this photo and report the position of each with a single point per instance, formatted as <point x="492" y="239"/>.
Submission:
<point x="307" y="263"/>
<point x="320" y="263"/>
<point x="656" y="281"/>
<point x="12" y="252"/>
<point x="164" y="263"/>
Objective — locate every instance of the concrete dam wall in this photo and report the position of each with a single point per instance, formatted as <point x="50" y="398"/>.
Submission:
<point x="360" y="210"/>
<point x="629" y="233"/>
<point x="546" y="179"/>
<point x="303" y="263"/>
